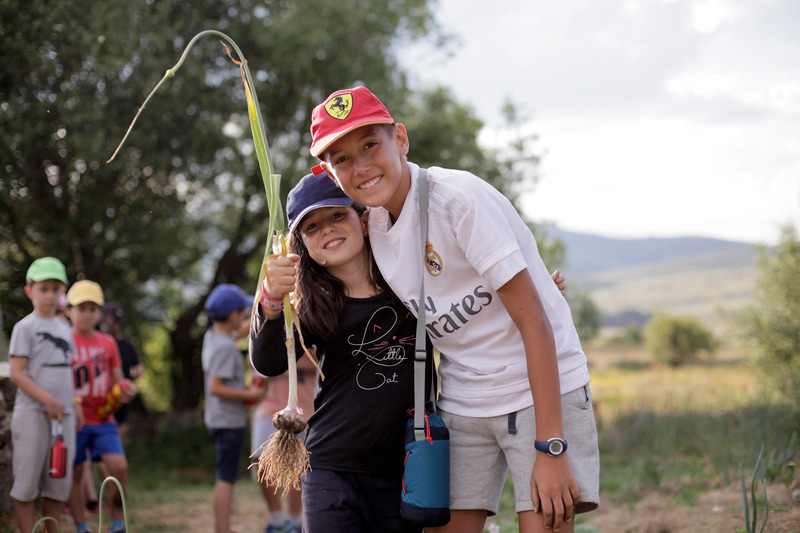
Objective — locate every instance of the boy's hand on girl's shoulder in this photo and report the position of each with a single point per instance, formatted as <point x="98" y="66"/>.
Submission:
<point x="560" y="281"/>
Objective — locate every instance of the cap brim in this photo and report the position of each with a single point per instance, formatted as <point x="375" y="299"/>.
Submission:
<point x="330" y="202"/>
<point x="82" y="300"/>
<point x="319" y="147"/>
<point x="45" y="277"/>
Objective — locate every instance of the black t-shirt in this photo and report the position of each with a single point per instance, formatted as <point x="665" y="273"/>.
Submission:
<point x="362" y="405"/>
<point x="128" y="355"/>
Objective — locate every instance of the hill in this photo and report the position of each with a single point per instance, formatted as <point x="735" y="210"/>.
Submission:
<point x="630" y="279"/>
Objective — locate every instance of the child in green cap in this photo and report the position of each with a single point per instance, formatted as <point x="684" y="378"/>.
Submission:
<point x="40" y="351"/>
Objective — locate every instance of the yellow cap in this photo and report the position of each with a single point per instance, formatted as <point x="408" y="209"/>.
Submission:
<point x="85" y="291"/>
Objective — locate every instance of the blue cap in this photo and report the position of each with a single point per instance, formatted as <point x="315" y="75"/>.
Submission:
<point x="225" y="299"/>
<point x="312" y="192"/>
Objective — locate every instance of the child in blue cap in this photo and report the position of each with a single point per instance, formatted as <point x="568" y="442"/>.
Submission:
<point x="226" y="393"/>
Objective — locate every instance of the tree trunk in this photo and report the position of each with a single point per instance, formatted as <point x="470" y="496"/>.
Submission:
<point x="187" y="337"/>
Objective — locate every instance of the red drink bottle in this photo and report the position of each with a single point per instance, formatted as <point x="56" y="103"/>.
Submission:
<point x="58" y="458"/>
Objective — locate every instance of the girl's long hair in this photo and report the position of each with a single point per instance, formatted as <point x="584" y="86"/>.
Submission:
<point x="319" y="297"/>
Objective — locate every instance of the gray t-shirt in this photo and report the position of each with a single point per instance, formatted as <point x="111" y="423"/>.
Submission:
<point x="48" y="345"/>
<point x="221" y="358"/>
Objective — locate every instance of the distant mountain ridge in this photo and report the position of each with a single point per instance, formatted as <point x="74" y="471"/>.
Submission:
<point x="631" y="279"/>
<point x="588" y="254"/>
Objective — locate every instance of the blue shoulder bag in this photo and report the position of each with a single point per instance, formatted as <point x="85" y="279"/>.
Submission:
<point x="425" y="500"/>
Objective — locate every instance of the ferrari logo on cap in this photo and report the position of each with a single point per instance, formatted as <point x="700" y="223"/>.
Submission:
<point x="340" y="106"/>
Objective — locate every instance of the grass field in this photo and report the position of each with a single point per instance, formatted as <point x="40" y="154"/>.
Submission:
<point x="672" y="441"/>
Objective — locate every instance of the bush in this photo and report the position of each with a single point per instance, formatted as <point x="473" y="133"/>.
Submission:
<point x="586" y="316"/>
<point x="773" y="324"/>
<point x="677" y="340"/>
<point x="630" y="336"/>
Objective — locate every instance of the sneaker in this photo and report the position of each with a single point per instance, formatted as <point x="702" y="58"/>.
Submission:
<point x="117" y="529"/>
<point x="285" y="528"/>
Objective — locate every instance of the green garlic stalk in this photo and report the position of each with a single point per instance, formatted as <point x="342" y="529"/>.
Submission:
<point x="284" y="458"/>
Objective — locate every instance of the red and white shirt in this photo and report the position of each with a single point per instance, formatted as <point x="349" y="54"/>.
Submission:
<point x="94" y="358"/>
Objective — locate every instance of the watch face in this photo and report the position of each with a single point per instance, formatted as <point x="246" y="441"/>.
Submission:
<point x="556" y="447"/>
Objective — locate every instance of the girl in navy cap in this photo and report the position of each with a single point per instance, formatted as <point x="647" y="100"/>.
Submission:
<point x="364" y="339"/>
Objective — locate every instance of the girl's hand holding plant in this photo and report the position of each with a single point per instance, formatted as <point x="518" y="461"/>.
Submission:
<point x="280" y="280"/>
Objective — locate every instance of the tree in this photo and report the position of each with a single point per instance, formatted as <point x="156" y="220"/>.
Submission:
<point x="773" y="324"/>
<point x="585" y="314"/>
<point x="677" y="340"/>
<point x="182" y="208"/>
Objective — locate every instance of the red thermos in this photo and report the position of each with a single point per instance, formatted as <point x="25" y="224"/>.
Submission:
<point x="58" y="457"/>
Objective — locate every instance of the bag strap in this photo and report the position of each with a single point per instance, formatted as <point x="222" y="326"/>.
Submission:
<point x="420" y="349"/>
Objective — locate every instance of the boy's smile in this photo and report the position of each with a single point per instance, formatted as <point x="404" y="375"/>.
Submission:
<point x="369" y="165"/>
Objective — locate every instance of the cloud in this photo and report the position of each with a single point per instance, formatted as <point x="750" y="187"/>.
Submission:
<point x="659" y="117"/>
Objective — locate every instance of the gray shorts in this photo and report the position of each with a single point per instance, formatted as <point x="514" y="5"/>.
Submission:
<point x="482" y="451"/>
<point x="32" y="439"/>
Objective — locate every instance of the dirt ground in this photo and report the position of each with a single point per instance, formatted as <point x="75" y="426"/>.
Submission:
<point x="719" y="511"/>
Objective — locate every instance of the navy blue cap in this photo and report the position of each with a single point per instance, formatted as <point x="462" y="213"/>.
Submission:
<point x="225" y="299"/>
<point x="312" y="192"/>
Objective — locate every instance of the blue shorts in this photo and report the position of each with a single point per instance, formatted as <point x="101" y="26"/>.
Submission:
<point x="350" y="502"/>
<point x="100" y="439"/>
<point x="228" y="444"/>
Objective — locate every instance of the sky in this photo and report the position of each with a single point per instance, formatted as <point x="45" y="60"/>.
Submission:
<point x="655" y="118"/>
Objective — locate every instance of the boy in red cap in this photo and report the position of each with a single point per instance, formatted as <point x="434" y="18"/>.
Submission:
<point x="514" y="378"/>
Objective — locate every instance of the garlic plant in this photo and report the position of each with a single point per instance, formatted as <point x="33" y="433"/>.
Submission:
<point x="285" y="457"/>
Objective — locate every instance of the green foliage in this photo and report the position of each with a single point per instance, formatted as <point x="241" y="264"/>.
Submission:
<point x="773" y="324"/>
<point x="585" y="314"/>
<point x="643" y="450"/>
<point x="630" y="336"/>
<point x="781" y="465"/>
<point x="749" y="502"/>
<point x="181" y="208"/>
<point x="155" y="385"/>
<point x="677" y="340"/>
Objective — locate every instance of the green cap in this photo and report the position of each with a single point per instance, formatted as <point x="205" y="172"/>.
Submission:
<point x="47" y="268"/>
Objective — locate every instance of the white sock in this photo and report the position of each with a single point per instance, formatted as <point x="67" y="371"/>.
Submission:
<point x="278" y="518"/>
<point x="294" y="519"/>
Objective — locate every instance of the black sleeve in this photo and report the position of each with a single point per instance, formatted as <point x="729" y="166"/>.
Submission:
<point x="134" y="355"/>
<point x="268" y="345"/>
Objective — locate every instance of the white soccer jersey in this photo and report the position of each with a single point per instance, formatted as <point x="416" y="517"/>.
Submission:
<point x="476" y="243"/>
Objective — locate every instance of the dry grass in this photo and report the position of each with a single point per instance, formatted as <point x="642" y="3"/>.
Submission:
<point x="626" y="379"/>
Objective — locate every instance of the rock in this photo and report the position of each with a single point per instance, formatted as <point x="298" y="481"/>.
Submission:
<point x="7" y="394"/>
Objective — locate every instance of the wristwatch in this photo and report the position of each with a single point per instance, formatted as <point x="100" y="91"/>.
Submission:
<point x="553" y="447"/>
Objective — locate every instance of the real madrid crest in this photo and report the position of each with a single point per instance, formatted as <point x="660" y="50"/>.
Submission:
<point x="340" y="106"/>
<point x="433" y="262"/>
